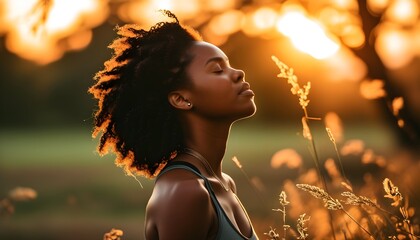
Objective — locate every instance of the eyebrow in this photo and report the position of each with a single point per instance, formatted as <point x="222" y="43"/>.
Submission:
<point x="217" y="59"/>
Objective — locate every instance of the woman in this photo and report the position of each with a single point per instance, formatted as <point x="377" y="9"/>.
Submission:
<point x="167" y="101"/>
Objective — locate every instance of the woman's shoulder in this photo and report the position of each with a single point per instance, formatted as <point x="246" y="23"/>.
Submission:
<point x="180" y="193"/>
<point x="230" y="181"/>
<point x="178" y="187"/>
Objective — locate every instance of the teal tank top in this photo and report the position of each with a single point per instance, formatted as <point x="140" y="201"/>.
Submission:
<point x="226" y="231"/>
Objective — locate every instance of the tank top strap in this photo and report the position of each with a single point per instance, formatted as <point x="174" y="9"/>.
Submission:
<point x="226" y="229"/>
<point x="187" y="166"/>
<point x="180" y="165"/>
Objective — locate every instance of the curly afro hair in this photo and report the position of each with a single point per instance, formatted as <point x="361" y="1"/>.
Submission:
<point x="134" y="115"/>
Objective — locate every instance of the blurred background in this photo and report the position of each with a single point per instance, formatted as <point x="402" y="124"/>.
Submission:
<point x="361" y="57"/>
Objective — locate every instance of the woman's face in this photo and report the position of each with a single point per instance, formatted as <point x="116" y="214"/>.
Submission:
<point x="217" y="90"/>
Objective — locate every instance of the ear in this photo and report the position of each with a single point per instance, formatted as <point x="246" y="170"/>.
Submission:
<point x="179" y="100"/>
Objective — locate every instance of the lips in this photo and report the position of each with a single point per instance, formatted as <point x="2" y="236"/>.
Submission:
<point x="246" y="90"/>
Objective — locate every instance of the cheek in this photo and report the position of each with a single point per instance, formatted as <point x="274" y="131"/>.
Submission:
<point x="214" y="97"/>
<point x="222" y="101"/>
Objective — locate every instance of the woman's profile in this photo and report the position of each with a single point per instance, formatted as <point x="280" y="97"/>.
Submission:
<point x="166" y="103"/>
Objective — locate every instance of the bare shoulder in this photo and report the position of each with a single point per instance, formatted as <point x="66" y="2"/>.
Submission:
<point x="231" y="182"/>
<point x="179" y="208"/>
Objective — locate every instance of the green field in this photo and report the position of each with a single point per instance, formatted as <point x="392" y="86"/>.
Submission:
<point x="82" y="196"/>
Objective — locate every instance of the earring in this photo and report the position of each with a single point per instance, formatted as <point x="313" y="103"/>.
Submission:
<point x="189" y="104"/>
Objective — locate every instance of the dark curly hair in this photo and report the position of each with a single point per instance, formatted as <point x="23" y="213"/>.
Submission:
<point x="134" y="115"/>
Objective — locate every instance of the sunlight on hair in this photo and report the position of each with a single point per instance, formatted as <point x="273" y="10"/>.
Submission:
<point x="129" y="173"/>
<point x="299" y="28"/>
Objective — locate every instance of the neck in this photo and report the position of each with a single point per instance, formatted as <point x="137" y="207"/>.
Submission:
<point x="209" y="139"/>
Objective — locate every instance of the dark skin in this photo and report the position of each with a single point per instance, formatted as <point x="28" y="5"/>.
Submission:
<point x="180" y="206"/>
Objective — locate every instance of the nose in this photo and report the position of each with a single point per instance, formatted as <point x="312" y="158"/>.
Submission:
<point x="239" y="75"/>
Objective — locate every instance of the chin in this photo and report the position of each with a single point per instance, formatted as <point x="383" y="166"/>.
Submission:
<point x="249" y="113"/>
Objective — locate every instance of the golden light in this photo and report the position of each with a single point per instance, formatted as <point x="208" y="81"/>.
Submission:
<point x="405" y="12"/>
<point x="221" y="26"/>
<point x="353" y="36"/>
<point x="306" y="34"/>
<point x="146" y="13"/>
<point x="335" y="125"/>
<point x="394" y="47"/>
<point x="220" y="6"/>
<point x="344" y="24"/>
<point x="265" y="18"/>
<point x="42" y="31"/>
<point x="249" y="26"/>
<point x="288" y="157"/>
<point x="345" y="66"/>
<point x="377" y="6"/>
<point x="416" y="39"/>
<point x="372" y="89"/>
<point x="347" y="4"/>
<point x="226" y="23"/>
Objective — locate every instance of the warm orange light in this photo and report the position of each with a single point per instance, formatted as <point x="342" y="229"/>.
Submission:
<point x="377" y="6"/>
<point x="416" y="39"/>
<point x="353" y="36"/>
<point x="346" y="4"/>
<point x="345" y="66"/>
<point x="226" y="23"/>
<point x="265" y="18"/>
<point x="146" y="13"/>
<point x="219" y="6"/>
<point x="394" y="47"/>
<point x="404" y="12"/>
<point x="249" y="26"/>
<point x="306" y="34"/>
<point x="41" y="31"/>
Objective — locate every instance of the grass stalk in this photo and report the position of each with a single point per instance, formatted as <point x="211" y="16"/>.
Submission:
<point x="360" y="225"/>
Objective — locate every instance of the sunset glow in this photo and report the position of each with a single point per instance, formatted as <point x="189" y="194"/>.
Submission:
<point x="42" y="31"/>
<point x="404" y="12"/>
<point x="394" y="47"/>
<point x="307" y="35"/>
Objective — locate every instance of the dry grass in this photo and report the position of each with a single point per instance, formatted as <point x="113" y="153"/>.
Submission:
<point x="361" y="217"/>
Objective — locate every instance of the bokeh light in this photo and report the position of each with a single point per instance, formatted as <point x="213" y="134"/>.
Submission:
<point x="306" y="34"/>
<point x="365" y="88"/>
<point x="41" y="31"/>
<point x="405" y="12"/>
<point x="394" y="46"/>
